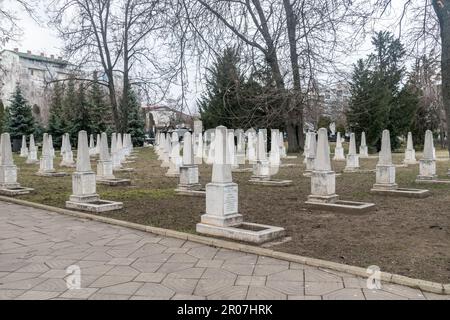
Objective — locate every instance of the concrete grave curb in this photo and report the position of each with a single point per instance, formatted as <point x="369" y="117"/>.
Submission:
<point x="428" y="286"/>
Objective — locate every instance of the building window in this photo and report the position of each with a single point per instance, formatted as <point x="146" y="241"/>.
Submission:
<point x="32" y="72"/>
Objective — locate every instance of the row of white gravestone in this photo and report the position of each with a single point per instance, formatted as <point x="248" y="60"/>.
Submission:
<point x="8" y="171"/>
<point x="168" y="148"/>
<point x="84" y="196"/>
<point x="352" y="158"/>
<point x="310" y="145"/>
<point x="222" y="217"/>
<point x="323" y="178"/>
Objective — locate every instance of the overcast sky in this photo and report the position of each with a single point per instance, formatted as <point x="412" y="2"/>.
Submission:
<point x="38" y="38"/>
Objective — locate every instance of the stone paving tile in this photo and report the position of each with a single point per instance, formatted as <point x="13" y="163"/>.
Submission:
<point x="203" y="252"/>
<point x="304" y="298"/>
<point x="55" y="285"/>
<point x="12" y="277"/>
<point x="268" y="269"/>
<point x="264" y="293"/>
<point x="230" y="293"/>
<point x="26" y="284"/>
<point x="355" y="283"/>
<point x="189" y="273"/>
<point x="381" y="295"/>
<point x="169" y="267"/>
<point x="105" y="296"/>
<point x="128" y="288"/>
<point x="37" y="295"/>
<point x="10" y="294"/>
<point x="106" y="281"/>
<point x="209" y="263"/>
<point x="409" y="293"/>
<point x="119" y="263"/>
<point x="184" y="286"/>
<point x="150" y="277"/>
<point x="122" y="271"/>
<point x="322" y="288"/>
<point x="154" y="291"/>
<point x="269" y="260"/>
<point x="206" y="287"/>
<point x="187" y="297"/>
<point x="172" y="242"/>
<point x="287" y="275"/>
<point x="239" y="269"/>
<point x="286" y="287"/>
<point x="82" y="293"/>
<point x="251" y="281"/>
<point x="345" y="294"/>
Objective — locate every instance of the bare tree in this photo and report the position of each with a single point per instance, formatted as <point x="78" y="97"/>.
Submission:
<point x="118" y="37"/>
<point x="9" y="27"/>
<point x="426" y="25"/>
<point x="296" y="39"/>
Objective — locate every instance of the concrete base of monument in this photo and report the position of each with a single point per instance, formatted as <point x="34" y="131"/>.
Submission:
<point x="244" y="231"/>
<point x="287" y="165"/>
<point x="401" y="192"/>
<point x="172" y="174"/>
<point x="52" y="174"/>
<point x="407" y="163"/>
<point x="270" y="182"/>
<point x="95" y="206"/>
<point x="433" y="179"/>
<point x="128" y="161"/>
<point x="14" y="191"/>
<point x="67" y="165"/>
<point x="403" y="165"/>
<point x="308" y="174"/>
<point x="290" y="157"/>
<point x="182" y="191"/>
<point x="114" y="182"/>
<point x="341" y="206"/>
<point x="193" y="190"/>
<point x="123" y="170"/>
<point x="357" y="170"/>
<point x="240" y="170"/>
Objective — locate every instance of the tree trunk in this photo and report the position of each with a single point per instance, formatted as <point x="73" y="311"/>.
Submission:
<point x="295" y="108"/>
<point x="442" y="9"/>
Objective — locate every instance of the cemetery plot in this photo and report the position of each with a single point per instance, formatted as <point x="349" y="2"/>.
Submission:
<point x="406" y="236"/>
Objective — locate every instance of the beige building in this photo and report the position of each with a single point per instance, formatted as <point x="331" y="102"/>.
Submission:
<point x="32" y="72"/>
<point x="162" y="117"/>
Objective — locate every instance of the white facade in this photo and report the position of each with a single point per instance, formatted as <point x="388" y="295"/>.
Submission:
<point x="32" y="72"/>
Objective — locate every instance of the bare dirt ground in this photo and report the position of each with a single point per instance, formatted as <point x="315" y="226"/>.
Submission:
<point x="406" y="236"/>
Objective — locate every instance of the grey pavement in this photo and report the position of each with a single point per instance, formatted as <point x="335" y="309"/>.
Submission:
<point x="37" y="247"/>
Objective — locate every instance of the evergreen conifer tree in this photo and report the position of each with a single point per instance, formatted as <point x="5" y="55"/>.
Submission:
<point x="136" y="123"/>
<point x="56" y="122"/>
<point x="20" y="118"/>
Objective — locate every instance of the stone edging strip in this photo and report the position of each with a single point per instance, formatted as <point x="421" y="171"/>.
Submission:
<point x="429" y="286"/>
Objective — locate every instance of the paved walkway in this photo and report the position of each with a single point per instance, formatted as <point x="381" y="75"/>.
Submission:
<point x="37" y="246"/>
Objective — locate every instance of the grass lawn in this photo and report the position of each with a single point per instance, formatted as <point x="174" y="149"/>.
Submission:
<point x="405" y="236"/>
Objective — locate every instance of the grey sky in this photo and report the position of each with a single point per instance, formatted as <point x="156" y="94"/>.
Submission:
<point x="38" y="38"/>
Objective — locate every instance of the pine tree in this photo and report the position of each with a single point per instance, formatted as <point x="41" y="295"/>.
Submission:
<point x="378" y="100"/>
<point x="220" y="105"/>
<point x="70" y="102"/>
<point x="2" y="116"/>
<point x="136" y="123"/>
<point x="56" y="122"/>
<point x="20" y="118"/>
<point x="81" y="114"/>
<point x="101" y="116"/>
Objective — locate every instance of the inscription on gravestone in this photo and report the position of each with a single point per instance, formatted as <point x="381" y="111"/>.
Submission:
<point x="230" y="200"/>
